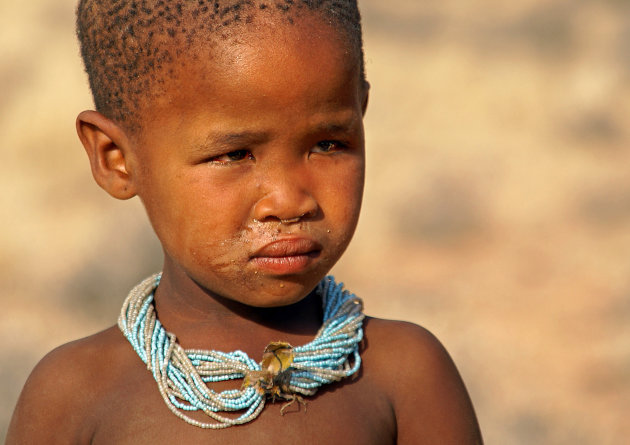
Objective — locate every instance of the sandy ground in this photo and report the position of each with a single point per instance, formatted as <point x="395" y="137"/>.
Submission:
<point x="497" y="209"/>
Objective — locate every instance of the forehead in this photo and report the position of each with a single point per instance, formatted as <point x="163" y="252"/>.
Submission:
<point x="270" y="60"/>
<point x="271" y="43"/>
<point x="270" y="35"/>
<point x="130" y="48"/>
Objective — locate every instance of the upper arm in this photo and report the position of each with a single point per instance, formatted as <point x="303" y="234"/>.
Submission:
<point x="428" y="396"/>
<point x="50" y="407"/>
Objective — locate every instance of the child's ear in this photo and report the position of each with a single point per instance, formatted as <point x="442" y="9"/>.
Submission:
<point x="108" y="149"/>
<point x="366" y="96"/>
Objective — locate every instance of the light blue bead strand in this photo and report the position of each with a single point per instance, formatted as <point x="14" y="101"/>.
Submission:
<point x="332" y="355"/>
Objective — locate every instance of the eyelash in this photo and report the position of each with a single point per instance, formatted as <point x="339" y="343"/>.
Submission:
<point x="326" y="146"/>
<point x="330" y="146"/>
<point x="240" y="154"/>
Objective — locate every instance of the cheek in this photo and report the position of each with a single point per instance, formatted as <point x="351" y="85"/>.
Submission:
<point x="211" y="233"/>
<point x="191" y="217"/>
<point x="349" y="190"/>
<point x="355" y="198"/>
<point x="220" y="257"/>
<point x="344" y="205"/>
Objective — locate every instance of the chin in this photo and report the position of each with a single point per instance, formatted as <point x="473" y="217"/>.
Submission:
<point x="279" y="293"/>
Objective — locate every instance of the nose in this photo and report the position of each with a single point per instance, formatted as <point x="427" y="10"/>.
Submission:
<point x="286" y="195"/>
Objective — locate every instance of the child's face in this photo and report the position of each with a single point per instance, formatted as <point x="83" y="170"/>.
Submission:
<point x="251" y="165"/>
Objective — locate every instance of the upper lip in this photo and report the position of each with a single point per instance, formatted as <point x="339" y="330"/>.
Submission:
<point x="288" y="247"/>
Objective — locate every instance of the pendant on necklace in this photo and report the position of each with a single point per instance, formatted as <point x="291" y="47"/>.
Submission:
<point x="274" y="378"/>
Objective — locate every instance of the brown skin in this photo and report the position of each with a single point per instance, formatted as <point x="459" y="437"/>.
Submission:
<point x="263" y="133"/>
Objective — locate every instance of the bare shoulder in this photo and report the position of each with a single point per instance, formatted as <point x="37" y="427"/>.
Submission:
<point x="56" y="401"/>
<point x="425" y="390"/>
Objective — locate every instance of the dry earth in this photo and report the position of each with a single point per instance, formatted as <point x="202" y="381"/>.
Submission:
<point x="497" y="209"/>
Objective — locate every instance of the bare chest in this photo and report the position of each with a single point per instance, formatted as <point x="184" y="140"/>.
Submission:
<point x="352" y="412"/>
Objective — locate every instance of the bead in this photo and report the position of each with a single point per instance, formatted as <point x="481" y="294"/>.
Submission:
<point x="182" y="375"/>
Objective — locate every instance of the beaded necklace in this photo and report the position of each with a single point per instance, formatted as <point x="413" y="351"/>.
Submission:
<point x="285" y="372"/>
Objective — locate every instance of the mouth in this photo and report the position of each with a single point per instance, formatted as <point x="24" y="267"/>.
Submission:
<point x="286" y="256"/>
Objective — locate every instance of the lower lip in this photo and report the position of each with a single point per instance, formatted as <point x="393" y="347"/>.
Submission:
<point x="285" y="265"/>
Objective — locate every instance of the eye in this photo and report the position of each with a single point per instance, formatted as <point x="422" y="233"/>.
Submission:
<point x="232" y="156"/>
<point x="329" y="146"/>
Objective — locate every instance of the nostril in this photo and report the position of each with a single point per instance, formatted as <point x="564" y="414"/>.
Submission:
<point x="292" y="220"/>
<point x="285" y="207"/>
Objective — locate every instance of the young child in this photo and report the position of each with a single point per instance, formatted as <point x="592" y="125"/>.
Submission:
<point x="239" y="126"/>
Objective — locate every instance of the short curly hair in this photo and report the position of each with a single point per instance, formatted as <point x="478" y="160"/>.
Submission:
<point x="125" y="43"/>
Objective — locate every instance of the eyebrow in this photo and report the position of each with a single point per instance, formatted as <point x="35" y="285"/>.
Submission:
<point x="337" y="125"/>
<point x="221" y="141"/>
<point x="218" y="141"/>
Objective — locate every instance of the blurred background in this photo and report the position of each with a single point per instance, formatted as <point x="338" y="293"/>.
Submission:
<point x="497" y="207"/>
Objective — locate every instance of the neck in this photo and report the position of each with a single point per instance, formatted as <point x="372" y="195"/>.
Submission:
<point x="203" y="320"/>
<point x="284" y="371"/>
